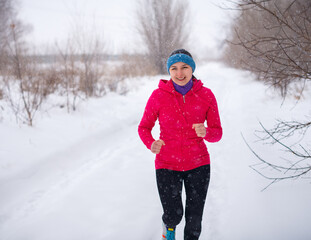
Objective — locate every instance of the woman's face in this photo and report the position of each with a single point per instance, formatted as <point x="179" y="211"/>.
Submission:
<point x="181" y="73"/>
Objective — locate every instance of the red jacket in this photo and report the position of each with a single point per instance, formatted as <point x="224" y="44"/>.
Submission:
<point x="183" y="149"/>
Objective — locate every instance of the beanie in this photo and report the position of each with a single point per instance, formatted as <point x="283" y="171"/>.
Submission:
<point x="180" y="55"/>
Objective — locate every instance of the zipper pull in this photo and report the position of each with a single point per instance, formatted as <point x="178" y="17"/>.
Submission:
<point x="183" y="96"/>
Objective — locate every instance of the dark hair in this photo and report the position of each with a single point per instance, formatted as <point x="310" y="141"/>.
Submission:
<point x="182" y="51"/>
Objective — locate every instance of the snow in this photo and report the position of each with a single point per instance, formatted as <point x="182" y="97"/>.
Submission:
<point x="87" y="175"/>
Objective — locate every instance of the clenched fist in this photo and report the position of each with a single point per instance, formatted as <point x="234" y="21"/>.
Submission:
<point x="156" y="146"/>
<point x="199" y="129"/>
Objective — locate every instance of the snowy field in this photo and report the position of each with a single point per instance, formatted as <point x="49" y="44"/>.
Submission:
<point x="87" y="176"/>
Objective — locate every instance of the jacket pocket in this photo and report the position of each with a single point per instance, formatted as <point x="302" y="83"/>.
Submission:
<point x="197" y="148"/>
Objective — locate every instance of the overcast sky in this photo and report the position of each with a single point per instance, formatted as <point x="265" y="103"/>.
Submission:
<point x="52" y="21"/>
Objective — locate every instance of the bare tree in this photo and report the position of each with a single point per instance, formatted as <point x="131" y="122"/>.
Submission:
<point x="6" y="11"/>
<point x="7" y="14"/>
<point x="272" y="38"/>
<point x="163" y="26"/>
<point x="89" y="46"/>
<point x="24" y="88"/>
<point x="69" y="75"/>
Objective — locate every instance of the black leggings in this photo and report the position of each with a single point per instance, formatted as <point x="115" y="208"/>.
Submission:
<point x="170" y="188"/>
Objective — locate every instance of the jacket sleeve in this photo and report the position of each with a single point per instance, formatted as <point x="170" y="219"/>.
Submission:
<point x="214" y="129"/>
<point x="148" y="121"/>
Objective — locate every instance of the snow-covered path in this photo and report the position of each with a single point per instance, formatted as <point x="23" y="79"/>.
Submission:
<point x="88" y="176"/>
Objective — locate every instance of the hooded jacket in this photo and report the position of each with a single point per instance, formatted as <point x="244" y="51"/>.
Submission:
<point x="183" y="149"/>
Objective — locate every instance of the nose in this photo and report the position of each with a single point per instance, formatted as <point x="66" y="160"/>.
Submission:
<point x="179" y="72"/>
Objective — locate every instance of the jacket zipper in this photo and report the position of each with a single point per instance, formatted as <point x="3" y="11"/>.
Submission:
<point x="183" y="96"/>
<point x="178" y="105"/>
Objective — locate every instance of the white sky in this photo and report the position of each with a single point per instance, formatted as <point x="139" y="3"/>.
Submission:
<point x="52" y="21"/>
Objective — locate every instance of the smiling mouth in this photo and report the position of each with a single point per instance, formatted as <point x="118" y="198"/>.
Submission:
<point x="181" y="79"/>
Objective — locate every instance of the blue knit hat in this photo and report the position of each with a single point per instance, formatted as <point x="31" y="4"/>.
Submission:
<point x="180" y="55"/>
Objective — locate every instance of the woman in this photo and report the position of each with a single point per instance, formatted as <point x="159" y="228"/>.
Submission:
<point x="182" y="105"/>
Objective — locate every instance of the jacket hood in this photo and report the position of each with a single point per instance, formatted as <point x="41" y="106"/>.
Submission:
<point x="167" y="85"/>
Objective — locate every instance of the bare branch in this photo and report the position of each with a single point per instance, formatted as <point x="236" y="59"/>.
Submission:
<point x="298" y="166"/>
<point x="272" y="39"/>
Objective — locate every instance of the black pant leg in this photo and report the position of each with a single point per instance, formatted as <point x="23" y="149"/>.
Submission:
<point x="196" y="185"/>
<point x="169" y="184"/>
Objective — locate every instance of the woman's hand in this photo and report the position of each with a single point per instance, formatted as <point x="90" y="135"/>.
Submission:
<point x="199" y="129"/>
<point x="156" y="146"/>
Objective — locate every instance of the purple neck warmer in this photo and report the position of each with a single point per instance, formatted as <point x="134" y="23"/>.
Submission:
<point x="183" y="89"/>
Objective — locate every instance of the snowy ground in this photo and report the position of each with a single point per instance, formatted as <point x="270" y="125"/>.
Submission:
<point x="88" y="176"/>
